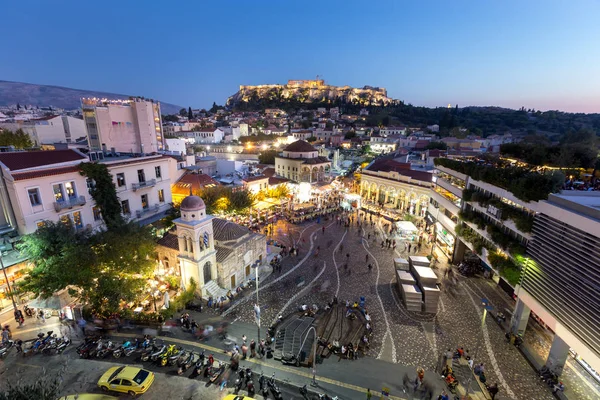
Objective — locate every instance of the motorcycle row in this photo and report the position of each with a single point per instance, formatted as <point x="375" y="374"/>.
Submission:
<point x="47" y="344"/>
<point x="156" y="351"/>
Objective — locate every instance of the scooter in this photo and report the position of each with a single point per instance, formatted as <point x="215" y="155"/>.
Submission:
<point x="274" y="388"/>
<point x="105" y="350"/>
<point x="4" y="349"/>
<point x="264" y="388"/>
<point x="250" y="388"/>
<point x="126" y="349"/>
<point x="156" y="353"/>
<point x="186" y="362"/>
<point x="304" y="392"/>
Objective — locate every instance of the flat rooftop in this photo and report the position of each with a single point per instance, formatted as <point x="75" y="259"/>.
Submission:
<point x="586" y="203"/>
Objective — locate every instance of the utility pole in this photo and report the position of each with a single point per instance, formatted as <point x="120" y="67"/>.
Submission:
<point x="7" y="283"/>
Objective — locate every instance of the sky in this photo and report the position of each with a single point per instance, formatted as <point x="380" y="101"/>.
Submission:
<point x="541" y="54"/>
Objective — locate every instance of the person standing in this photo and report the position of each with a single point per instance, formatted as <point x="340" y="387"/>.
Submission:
<point x="369" y="395"/>
<point x="252" y="348"/>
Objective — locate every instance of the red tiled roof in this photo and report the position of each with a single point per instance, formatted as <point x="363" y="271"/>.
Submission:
<point x="44" y="172"/>
<point x="388" y="165"/>
<point x="268" y="172"/>
<point x="169" y="240"/>
<point x="421" y="144"/>
<point x="276" y="181"/>
<point x="300" y="146"/>
<point x="30" y="159"/>
<point x="254" y="178"/>
<point x="193" y="181"/>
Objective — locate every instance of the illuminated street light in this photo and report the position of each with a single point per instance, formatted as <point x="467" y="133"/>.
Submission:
<point x="264" y="146"/>
<point x="229" y="148"/>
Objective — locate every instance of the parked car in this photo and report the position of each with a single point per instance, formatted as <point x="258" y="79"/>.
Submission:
<point x="130" y="380"/>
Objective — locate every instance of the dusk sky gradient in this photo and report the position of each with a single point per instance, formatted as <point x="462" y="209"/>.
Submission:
<point x="532" y="53"/>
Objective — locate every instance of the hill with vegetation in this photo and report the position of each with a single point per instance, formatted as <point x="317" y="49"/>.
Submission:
<point x="57" y="96"/>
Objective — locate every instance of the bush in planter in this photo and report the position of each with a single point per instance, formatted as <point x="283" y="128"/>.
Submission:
<point x="173" y="282"/>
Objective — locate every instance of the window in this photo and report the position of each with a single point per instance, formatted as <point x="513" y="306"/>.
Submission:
<point x="40" y="224"/>
<point x="65" y="219"/>
<point x="90" y="185"/>
<point x="157" y="172"/>
<point x="34" y="197"/>
<point x="161" y="195"/>
<point x="145" y="201"/>
<point x="58" y="193"/>
<point x="141" y="176"/>
<point x="97" y="214"/>
<point x="125" y="207"/>
<point x="77" y="221"/>
<point x="121" y="179"/>
<point x="70" y="190"/>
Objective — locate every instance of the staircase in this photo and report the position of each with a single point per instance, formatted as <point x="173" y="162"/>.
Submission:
<point x="290" y="335"/>
<point x="212" y="289"/>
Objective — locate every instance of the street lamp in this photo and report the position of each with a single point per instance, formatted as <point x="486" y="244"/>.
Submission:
<point x="314" y="370"/>
<point x="257" y="306"/>
<point x="7" y="283"/>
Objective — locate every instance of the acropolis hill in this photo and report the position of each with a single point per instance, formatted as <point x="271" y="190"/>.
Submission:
<point x="309" y="91"/>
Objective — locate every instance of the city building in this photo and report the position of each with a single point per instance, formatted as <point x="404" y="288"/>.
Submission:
<point x="559" y="284"/>
<point x="143" y="185"/>
<point x="191" y="182"/>
<point x="300" y="162"/>
<point x="395" y="186"/>
<point x="124" y="126"/>
<point x="206" y="135"/>
<point x="392" y="130"/>
<point x="219" y="255"/>
<point x="54" y="129"/>
<point x="44" y="186"/>
<point x="255" y="183"/>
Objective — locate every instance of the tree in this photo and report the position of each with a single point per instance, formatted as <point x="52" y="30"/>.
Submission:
<point x="104" y="193"/>
<point x="366" y="149"/>
<point x="18" y="139"/>
<point x="267" y="156"/>
<point x="214" y="108"/>
<point x="44" y="387"/>
<point x="99" y="268"/>
<point x="311" y="139"/>
<point x="436" y="145"/>
<point x="350" y="135"/>
<point x="183" y="112"/>
<point x="170" y="118"/>
<point x="190" y="113"/>
<point x="224" y="199"/>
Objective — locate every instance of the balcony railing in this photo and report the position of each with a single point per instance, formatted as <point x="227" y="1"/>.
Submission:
<point x="69" y="203"/>
<point x="145" y="184"/>
<point x="147" y="211"/>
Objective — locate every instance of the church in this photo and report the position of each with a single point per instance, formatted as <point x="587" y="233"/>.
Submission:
<point x="218" y="254"/>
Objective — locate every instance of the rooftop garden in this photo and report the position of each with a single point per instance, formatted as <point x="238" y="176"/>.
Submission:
<point x="525" y="183"/>
<point x="522" y="219"/>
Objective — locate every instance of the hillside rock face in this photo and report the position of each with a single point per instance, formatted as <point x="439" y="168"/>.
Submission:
<point x="309" y="91"/>
<point x="58" y="96"/>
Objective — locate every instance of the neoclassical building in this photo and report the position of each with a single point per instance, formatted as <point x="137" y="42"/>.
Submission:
<point x="395" y="185"/>
<point x="217" y="254"/>
<point x="300" y="162"/>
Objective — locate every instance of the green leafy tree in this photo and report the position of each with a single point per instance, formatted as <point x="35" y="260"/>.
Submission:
<point x="214" y="108"/>
<point x="366" y="149"/>
<point x="190" y="113"/>
<point x="436" y="146"/>
<point x="101" y="268"/>
<point x="104" y="193"/>
<point x="18" y="139"/>
<point x="350" y="135"/>
<point x="170" y="118"/>
<point x="223" y="199"/>
<point x="44" y="387"/>
<point x="267" y="156"/>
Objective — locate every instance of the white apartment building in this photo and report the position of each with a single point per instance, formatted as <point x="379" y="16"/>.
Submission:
<point x="125" y="126"/>
<point x="44" y="186"/>
<point x="143" y="184"/>
<point x="392" y="130"/>
<point x="207" y="136"/>
<point x="54" y="129"/>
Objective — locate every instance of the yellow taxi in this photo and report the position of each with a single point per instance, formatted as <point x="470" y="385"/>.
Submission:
<point x="88" y="396"/>
<point x="130" y="380"/>
<point x="236" y="397"/>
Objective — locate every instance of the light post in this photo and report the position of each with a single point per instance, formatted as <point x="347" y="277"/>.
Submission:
<point x="7" y="283"/>
<point x="486" y="307"/>
<point x="314" y="366"/>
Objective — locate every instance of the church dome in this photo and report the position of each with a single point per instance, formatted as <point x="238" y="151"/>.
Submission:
<point x="192" y="203"/>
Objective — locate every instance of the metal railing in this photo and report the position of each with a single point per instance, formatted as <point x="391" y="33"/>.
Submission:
<point x="69" y="203"/>
<point x="146" y="211"/>
<point x="145" y="184"/>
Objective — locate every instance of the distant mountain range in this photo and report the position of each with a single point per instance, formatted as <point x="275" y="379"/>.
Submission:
<point x="58" y="96"/>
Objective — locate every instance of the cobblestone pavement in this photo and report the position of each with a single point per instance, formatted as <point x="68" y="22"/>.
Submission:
<point x="399" y="335"/>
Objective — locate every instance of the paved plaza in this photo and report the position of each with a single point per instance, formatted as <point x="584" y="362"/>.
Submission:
<point x="335" y="262"/>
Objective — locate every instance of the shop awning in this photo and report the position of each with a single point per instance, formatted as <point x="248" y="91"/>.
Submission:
<point x="57" y="301"/>
<point x="406" y="226"/>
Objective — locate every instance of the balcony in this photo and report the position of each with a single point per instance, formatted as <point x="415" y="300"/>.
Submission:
<point x="142" y="185"/>
<point x="147" y="211"/>
<point x="445" y="202"/>
<point x="69" y="203"/>
<point x="455" y="190"/>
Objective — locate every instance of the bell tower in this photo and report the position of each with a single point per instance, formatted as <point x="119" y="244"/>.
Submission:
<point x="197" y="252"/>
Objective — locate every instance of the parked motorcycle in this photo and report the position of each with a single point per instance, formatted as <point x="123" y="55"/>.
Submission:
<point x="86" y="347"/>
<point x="155" y="352"/>
<point x="185" y="362"/>
<point x="274" y="388"/>
<point x="5" y="347"/>
<point x="126" y="349"/>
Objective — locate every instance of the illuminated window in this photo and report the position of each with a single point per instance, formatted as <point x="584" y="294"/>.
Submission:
<point x="40" y="224"/>
<point x="125" y="207"/>
<point x="58" y="193"/>
<point x="120" y="179"/>
<point x="97" y="214"/>
<point x="145" y="204"/>
<point x="65" y="219"/>
<point x="161" y="195"/>
<point x="77" y="221"/>
<point x="70" y="190"/>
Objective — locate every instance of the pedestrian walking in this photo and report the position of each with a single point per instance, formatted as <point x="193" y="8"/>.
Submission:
<point x="42" y="316"/>
<point x="252" y="348"/>
<point x="409" y="245"/>
<point x="370" y="267"/>
<point x="244" y="351"/>
<point x="193" y="326"/>
<point x="382" y="244"/>
<point x="369" y="395"/>
<point x="323" y="229"/>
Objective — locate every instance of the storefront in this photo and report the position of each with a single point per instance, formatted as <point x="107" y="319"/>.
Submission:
<point x="351" y="202"/>
<point x="407" y="230"/>
<point x="444" y="240"/>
